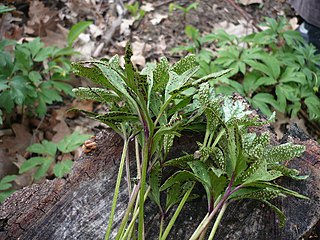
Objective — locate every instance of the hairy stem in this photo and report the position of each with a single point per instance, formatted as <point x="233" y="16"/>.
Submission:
<point x="161" y="225"/>
<point x="116" y="191"/>
<point x="128" y="231"/>
<point x="216" y="223"/>
<point x="128" y="210"/>
<point x="205" y="224"/>
<point x="145" y="160"/>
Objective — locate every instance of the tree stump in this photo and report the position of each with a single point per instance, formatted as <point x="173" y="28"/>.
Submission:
<point x="78" y="207"/>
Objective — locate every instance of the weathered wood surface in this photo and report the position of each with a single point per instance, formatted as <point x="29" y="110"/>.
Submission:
<point x="78" y="207"/>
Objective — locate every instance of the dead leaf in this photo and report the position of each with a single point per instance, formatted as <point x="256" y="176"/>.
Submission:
<point x="248" y="2"/>
<point x="125" y="26"/>
<point x="26" y="178"/>
<point x="86" y="105"/>
<point x="138" y="49"/>
<point x="41" y="19"/>
<point x="147" y="7"/>
<point x="61" y="129"/>
<point x="157" y="18"/>
<point x="240" y="29"/>
<point x="19" y="142"/>
<point x="293" y="22"/>
<point x="7" y="166"/>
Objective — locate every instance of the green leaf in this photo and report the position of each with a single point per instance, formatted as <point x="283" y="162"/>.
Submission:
<point x="5" y="194"/>
<point x="174" y="194"/>
<point x="155" y="182"/>
<point x="43" y="54"/>
<point x="72" y="142"/>
<point x="23" y="59"/>
<point x="62" y="86"/>
<point x="62" y="168"/>
<point x="4" y="9"/>
<point x="161" y="75"/>
<point x="192" y="32"/>
<point x="42" y="170"/>
<point x="34" y="162"/>
<point x="283" y="152"/>
<point x="96" y="94"/>
<point x="34" y="46"/>
<point x="35" y="77"/>
<point x="261" y="101"/>
<point x="200" y="170"/>
<point x="280" y="214"/>
<point x="45" y="148"/>
<point x="6" y="101"/>
<point x="76" y="30"/>
<point x="313" y="104"/>
<point x="18" y="89"/>
<point x="180" y="162"/>
<point x="184" y="64"/>
<point x="5" y="182"/>
<point x="177" y="177"/>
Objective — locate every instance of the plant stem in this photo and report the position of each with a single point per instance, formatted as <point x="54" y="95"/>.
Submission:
<point x="145" y="160"/>
<point x="206" y="136"/>
<point x="216" y="223"/>
<point x="134" y="218"/>
<point x="218" y="137"/>
<point x="128" y="172"/>
<point x="128" y="210"/>
<point x="137" y="157"/>
<point x="176" y="214"/>
<point x="116" y="191"/>
<point x="215" y="210"/>
<point x="161" y="225"/>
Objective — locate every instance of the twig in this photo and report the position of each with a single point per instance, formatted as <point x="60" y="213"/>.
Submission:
<point x="163" y="3"/>
<point x="243" y="13"/>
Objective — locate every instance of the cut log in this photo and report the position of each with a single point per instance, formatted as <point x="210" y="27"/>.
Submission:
<point x="78" y="207"/>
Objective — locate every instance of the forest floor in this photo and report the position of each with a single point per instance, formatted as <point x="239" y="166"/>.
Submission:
<point x="152" y="36"/>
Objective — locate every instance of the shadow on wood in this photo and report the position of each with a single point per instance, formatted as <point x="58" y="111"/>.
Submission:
<point x="78" y="207"/>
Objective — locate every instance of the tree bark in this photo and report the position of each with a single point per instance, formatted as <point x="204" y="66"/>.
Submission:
<point x="78" y="207"/>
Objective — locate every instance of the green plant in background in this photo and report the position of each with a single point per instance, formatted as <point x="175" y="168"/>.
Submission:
<point x="5" y="9"/>
<point x="47" y="156"/>
<point x="274" y="69"/>
<point x="185" y="10"/>
<point x="33" y="76"/>
<point x="6" y="186"/>
<point x="135" y="10"/>
<point x="47" y="153"/>
<point x="161" y="102"/>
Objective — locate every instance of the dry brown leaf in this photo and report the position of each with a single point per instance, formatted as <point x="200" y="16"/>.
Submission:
<point x="19" y="142"/>
<point x="41" y="19"/>
<point x="138" y="49"/>
<point x="26" y="178"/>
<point x="125" y="26"/>
<point x="7" y="166"/>
<point x="147" y="7"/>
<point x="293" y="22"/>
<point x="157" y="18"/>
<point x="283" y="122"/>
<point x="56" y="38"/>
<point x="61" y="129"/>
<point x="240" y="29"/>
<point x="248" y="2"/>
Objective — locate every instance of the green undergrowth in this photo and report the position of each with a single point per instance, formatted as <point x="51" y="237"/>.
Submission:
<point x="274" y="69"/>
<point x="33" y="76"/>
<point x="154" y="106"/>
